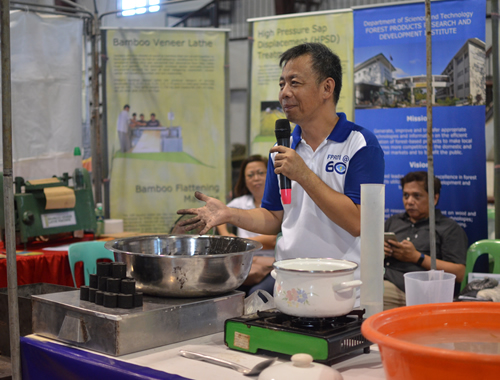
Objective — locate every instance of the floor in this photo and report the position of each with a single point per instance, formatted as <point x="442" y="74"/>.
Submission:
<point x="5" y="370"/>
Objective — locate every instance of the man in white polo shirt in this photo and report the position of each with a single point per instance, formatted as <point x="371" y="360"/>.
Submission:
<point x="328" y="159"/>
<point x="122" y="127"/>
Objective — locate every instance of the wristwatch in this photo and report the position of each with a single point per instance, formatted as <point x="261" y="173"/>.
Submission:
<point x="421" y="259"/>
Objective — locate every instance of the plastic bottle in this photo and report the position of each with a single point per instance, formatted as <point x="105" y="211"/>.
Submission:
<point x="99" y="214"/>
<point x="78" y="175"/>
<point x="78" y="180"/>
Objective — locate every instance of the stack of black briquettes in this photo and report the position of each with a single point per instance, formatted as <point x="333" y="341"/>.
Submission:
<point x="110" y="287"/>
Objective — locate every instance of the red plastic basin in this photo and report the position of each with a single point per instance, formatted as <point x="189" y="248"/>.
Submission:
<point x="409" y="359"/>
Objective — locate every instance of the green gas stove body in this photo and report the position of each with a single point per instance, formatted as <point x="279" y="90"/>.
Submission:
<point x="271" y="331"/>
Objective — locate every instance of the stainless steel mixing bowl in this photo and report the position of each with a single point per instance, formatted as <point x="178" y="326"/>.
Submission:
<point x="185" y="265"/>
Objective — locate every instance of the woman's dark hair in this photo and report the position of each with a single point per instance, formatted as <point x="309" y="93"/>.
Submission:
<point x="241" y="188"/>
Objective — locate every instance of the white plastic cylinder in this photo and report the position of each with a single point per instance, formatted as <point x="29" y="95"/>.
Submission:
<point x="372" y="248"/>
<point x="113" y="226"/>
<point x="78" y="180"/>
<point x="78" y="162"/>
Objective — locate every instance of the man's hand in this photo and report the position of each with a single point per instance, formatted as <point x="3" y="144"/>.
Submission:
<point x="338" y="207"/>
<point x="289" y="163"/>
<point x="388" y="247"/>
<point x="403" y="251"/>
<point x="212" y="214"/>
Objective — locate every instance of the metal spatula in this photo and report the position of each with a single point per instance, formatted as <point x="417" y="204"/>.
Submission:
<point x="258" y="368"/>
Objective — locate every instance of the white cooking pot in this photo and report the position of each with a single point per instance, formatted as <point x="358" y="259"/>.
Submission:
<point x="315" y="288"/>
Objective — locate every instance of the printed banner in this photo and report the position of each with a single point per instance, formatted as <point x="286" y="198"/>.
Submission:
<point x="272" y="37"/>
<point x="46" y="80"/>
<point x="171" y="139"/>
<point x="390" y="99"/>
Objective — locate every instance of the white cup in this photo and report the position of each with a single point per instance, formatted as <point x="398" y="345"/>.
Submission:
<point x="433" y="286"/>
<point x="113" y="226"/>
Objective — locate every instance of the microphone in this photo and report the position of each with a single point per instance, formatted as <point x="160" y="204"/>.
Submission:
<point x="282" y="132"/>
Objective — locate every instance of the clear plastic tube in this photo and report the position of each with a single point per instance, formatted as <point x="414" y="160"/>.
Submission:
<point x="372" y="248"/>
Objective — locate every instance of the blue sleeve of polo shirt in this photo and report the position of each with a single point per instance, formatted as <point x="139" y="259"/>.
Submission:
<point x="272" y="199"/>
<point x="367" y="166"/>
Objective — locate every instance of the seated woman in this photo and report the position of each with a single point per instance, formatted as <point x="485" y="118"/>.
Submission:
<point x="248" y="192"/>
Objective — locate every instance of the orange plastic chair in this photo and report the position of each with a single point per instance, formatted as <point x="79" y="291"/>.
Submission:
<point x="88" y="252"/>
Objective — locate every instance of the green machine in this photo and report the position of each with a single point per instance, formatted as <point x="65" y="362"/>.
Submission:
<point x="50" y="206"/>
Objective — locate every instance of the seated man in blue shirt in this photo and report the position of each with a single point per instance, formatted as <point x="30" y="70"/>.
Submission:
<point x="412" y="250"/>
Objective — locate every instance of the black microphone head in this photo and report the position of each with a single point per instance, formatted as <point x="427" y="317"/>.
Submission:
<point x="282" y="129"/>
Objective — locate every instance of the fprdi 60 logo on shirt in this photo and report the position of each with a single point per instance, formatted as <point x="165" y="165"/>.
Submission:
<point x="339" y="167"/>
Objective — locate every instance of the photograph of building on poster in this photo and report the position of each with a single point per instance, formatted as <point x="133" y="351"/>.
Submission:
<point x="392" y="77"/>
<point x="390" y="99"/>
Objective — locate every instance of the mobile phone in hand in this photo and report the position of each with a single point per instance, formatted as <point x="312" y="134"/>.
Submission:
<point x="390" y="236"/>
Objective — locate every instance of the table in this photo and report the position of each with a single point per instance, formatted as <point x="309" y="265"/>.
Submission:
<point x="43" y="264"/>
<point x="48" y="359"/>
<point x="51" y="266"/>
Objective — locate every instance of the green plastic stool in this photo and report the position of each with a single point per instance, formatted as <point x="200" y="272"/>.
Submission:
<point x="88" y="252"/>
<point x="488" y="246"/>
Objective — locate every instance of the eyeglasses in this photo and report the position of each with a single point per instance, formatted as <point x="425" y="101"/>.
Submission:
<point x="260" y="173"/>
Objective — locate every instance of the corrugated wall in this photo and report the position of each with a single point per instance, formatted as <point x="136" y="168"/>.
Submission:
<point x="241" y="10"/>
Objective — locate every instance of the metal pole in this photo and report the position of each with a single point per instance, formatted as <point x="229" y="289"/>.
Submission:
<point x="227" y="140"/>
<point x="96" y="130"/>
<point x="430" y="158"/>
<point x="249" y="101"/>
<point x="215" y="21"/>
<point x="8" y="201"/>
<point x="104" y="126"/>
<point x="496" y="110"/>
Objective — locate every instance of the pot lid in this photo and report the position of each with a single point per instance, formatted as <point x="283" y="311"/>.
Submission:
<point x="300" y="367"/>
<point x="316" y="265"/>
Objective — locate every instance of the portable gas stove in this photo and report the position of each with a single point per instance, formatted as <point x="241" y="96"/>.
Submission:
<point x="325" y="339"/>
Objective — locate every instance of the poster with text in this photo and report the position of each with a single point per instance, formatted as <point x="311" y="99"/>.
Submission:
<point x="272" y="37"/>
<point x="390" y="99"/>
<point x="165" y="95"/>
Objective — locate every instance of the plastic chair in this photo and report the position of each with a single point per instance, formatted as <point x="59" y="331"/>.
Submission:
<point x="490" y="247"/>
<point x="88" y="252"/>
